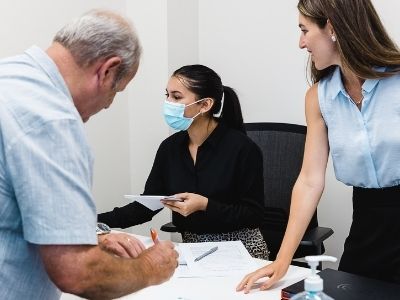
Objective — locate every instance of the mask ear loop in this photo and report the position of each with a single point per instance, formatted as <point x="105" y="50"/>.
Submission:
<point x="195" y="102"/>
<point x="196" y="115"/>
<point x="218" y="114"/>
<point x="199" y="111"/>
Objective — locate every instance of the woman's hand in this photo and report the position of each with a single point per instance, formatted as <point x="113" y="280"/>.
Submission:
<point x="190" y="203"/>
<point x="274" y="271"/>
<point x="121" y="244"/>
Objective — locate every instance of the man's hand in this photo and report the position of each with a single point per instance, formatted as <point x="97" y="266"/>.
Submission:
<point x="190" y="203"/>
<point x="274" y="271"/>
<point x="121" y="244"/>
<point x="91" y="273"/>
<point x="159" y="262"/>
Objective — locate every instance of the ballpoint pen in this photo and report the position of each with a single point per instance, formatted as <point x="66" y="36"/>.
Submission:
<point x="154" y="235"/>
<point x="206" y="253"/>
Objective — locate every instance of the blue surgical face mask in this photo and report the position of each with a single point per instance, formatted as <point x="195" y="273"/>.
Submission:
<point x="174" y="115"/>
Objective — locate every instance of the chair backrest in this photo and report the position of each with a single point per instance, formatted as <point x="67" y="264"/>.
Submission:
<point x="282" y="146"/>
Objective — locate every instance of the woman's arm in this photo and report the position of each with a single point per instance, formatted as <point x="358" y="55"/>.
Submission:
<point x="135" y="213"/>
<point x="305" y="196"/>
<point x="126" y="216"/>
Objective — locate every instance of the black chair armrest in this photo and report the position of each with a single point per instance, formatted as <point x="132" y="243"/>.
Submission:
<point x="169" y="227"/>
<point x="315" y="236"/>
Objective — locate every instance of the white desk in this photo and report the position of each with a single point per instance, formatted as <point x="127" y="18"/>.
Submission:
<point x="215" y="288"/>
<point x="210" y="288"/>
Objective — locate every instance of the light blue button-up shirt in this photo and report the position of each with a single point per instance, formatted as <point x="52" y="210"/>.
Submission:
<point x="45" y="173"/>
<point x="365" y="145"/>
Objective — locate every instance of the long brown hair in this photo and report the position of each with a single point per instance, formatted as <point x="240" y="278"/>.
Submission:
<point x="362" y="40"/>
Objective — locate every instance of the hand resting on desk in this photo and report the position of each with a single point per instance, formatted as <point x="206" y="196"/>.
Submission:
<point x="121" y="244"/>
<point x="275" y="271"/>
<point x="159" y="261"/>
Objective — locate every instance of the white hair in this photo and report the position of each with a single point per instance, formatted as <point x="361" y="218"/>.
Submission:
<point x="101" y="34"/>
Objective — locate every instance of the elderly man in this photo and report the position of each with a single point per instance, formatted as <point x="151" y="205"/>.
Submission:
<point x="48" y="241"/>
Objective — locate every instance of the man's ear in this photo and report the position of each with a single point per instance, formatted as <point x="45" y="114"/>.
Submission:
<point x="107" y="70"/>
<point x="207" y="104"/>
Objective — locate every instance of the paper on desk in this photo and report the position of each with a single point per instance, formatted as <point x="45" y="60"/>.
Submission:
<point x="151" y="202"/>
<point x="181" y="258"/>
<point x="231" y="259"/>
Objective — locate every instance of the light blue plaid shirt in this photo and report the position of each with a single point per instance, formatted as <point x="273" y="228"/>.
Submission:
<point x="365" y="145"/>
<point x="45" y="173"/>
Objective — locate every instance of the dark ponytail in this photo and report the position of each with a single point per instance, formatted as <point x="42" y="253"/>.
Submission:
<point x="206" y="83"/>
<point x="231" y="110"/>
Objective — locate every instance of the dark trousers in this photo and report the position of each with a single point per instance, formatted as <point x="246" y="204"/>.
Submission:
<point x="372" y="248"/>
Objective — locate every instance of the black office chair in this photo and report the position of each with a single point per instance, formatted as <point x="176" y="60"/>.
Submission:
<point x="282" y="146"/>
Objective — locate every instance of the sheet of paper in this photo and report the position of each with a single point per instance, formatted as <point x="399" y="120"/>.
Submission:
<point x="181" y="258"/>
<point x="152" y="202"/>
<point x="231" y="259"/>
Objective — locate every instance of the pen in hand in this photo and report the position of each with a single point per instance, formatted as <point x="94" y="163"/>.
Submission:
<point x="206" y="253"/>
<point x="154" y="235"/>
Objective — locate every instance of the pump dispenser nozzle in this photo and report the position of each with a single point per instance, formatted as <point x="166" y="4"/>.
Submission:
<point x="314" y="283"/>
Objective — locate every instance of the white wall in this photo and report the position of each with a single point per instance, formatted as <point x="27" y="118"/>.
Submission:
<point x="183" y="33"/>
<point x="146" y="93"/>
<point x="253" y="45"/>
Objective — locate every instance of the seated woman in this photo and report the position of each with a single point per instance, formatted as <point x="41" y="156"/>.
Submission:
<point x="210" y="164"/>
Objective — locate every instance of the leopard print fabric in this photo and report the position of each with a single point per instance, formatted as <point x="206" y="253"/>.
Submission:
<point x="251" y="238"/>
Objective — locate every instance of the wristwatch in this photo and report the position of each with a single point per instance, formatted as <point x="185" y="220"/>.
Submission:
<point x="102" y="228"/>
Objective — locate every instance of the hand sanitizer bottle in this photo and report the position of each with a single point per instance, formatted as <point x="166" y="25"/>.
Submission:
<point x="313" y="284"/>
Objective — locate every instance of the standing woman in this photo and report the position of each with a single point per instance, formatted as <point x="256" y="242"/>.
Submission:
<point x="353" y="110"/>
<point x="210" y="164"/>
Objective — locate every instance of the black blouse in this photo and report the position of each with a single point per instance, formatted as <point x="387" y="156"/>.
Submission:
<point x="228" y="171"/>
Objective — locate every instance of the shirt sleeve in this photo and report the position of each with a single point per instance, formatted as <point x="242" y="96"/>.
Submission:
<point x="247" y="210"/>
<point x="129" y="215"/>
<point x="51" y="173"/>
<point x="135" y="213"/>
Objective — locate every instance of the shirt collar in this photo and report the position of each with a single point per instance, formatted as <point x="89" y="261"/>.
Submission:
<point x="337" y="84"/>
<point x="217" y="134"/>
<point x="213" y="138"/>
<point x="49" y="67"/>
<point x="370" y="84"/>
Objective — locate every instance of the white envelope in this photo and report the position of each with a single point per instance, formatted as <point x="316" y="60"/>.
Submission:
<point x="152" y="202"/>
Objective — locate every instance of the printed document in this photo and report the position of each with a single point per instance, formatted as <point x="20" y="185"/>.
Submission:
<point x="230" y="259"/>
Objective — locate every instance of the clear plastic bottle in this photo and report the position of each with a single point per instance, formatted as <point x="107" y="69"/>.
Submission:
<point x="313" y="284"/>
